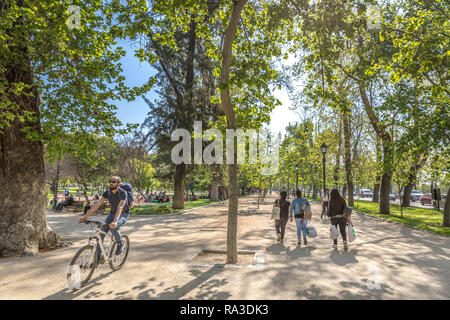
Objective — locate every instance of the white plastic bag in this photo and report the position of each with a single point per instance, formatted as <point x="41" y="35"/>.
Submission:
<point x="311" y="230"/>
<point x="334" y="233"/>
<point x="351" y="235"/>
<point x="275" y="213"/>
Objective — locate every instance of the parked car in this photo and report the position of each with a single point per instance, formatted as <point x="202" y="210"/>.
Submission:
<point x="392" y="197"/>
<point x="426" y="199"/>
<point x="416" y="195"/>
<point x="365" y="193"/>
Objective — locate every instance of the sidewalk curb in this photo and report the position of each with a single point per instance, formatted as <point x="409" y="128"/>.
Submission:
<point x="403" y="224"/>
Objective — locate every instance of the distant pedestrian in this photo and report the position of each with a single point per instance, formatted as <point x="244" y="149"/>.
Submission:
<point x="336" y="215"/>
<point x="280" y="225"/>
<point x="324" y="198"/>
<point x="297" y="208"/>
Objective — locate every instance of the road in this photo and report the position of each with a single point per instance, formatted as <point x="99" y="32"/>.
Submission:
<point x="386" y="261"/>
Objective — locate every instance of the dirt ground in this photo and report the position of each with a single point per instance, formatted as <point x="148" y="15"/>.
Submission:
<point x="386" y="261"/>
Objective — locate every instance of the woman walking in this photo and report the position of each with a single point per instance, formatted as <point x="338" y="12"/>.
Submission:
<point x="325" y="197"/>
<point x="335" y="213"/>
<point x="300" y="220"/>
<point x="280" y="225"/>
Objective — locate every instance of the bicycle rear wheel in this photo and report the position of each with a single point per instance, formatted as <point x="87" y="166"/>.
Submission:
<point x="117" y="261"/>
<point x="81" y="267"/>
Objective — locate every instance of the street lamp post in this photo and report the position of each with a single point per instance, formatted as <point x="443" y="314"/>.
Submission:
<point x="323" y="148"/>
<point x="296" y="184"/>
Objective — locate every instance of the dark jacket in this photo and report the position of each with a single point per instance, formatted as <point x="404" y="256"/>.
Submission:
<point x="333" y="211"/>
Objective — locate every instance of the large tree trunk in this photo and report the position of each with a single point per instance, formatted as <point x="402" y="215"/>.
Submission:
<point x="348" y="160"/>
<point x="23" y="224"/>
<point x="446" y="221"/>
<point x="386" y="139"/>
<point x="178" y="197"/>
<point x="225" y="101"/>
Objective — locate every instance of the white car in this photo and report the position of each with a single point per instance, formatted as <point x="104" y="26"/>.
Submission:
<point x="365" y="193"/>
<point x="416" y="195"/>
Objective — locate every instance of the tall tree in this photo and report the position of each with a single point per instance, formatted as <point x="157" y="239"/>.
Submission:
<point x="54" y="80"/>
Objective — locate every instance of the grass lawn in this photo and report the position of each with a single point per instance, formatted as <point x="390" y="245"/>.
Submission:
<point x="423" y="218"/>
<point x="164" y="208"/>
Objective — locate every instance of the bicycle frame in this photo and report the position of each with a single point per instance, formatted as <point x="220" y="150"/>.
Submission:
<point x="98" y="240"/>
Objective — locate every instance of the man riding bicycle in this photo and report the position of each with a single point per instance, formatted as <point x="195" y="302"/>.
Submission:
<point x="120" y="211"/>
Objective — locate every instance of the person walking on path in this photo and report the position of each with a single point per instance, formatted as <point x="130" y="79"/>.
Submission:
<point x="297" y="208"/>
<point x="324" y="198"/>
<point x="280" y="225"/>
<point x="336" y="215"/>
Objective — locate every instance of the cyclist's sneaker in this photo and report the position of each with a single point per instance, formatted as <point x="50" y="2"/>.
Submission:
<point x="100" y="260"/>
<point x="120" y="248"/>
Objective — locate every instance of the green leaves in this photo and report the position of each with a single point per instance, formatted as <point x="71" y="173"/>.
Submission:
<point x="76" y="71"/>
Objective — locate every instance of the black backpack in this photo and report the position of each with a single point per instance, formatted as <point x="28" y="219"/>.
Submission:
<point x="129" y="189"/>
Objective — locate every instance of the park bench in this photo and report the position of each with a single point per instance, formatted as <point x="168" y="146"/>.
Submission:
<point x="76" y="206"/>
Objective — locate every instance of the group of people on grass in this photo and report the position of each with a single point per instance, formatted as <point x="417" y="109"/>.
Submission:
<point x="333" y="206"/>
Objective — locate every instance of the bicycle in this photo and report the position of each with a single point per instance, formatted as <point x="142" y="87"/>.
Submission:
<point x="79" y="272"/>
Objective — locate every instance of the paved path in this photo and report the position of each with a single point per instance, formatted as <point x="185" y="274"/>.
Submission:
<point x="407" y="263"/>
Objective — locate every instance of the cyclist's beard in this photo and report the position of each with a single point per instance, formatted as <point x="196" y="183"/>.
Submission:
<point x="113" y="189"/>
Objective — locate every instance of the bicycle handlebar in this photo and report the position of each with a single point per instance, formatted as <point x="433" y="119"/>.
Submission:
<point x="94" y="222"/>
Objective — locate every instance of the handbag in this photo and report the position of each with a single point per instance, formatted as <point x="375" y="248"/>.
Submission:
<point x="351" y="235"/>
<point x="275" y="212"/>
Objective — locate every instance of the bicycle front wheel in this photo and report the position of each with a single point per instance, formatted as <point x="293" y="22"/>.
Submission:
<point x="81" y="267"/>
<point x="117" y="260"/>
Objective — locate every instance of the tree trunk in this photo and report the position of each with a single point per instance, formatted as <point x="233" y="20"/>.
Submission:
<point x="446" y="221"/>
<point x="85" y="193"/>
<point x="215" y="183"/>
<point x="225" y="101"/>
<point x="178" y="197"/>
<point x="376" y="188"/>
<point x="407" y="195"/>
<point x="55" y="184"/>
<point x="338" y="161"/>
<point x="23" y="224"/>
<point x="348" y="160"/>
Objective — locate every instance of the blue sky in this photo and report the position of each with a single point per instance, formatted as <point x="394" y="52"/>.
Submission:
<point x="137" y="73"/>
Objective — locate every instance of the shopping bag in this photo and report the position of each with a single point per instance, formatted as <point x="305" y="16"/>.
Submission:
<point x="311" y="230"/>
<point x="334" y="233"/>
<point x="351" y="235"/>
<point x="275" y="213"/>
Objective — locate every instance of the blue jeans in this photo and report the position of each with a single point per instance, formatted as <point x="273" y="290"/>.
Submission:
<point x="115" y="232"/>
<point x="301" y="227"/>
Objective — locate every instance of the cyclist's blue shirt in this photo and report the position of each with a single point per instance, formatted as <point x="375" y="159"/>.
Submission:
<point x="115" y="198"/>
